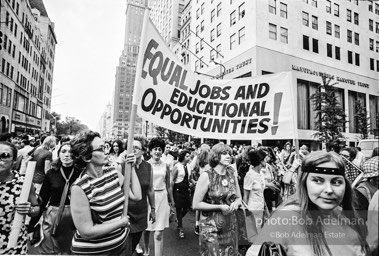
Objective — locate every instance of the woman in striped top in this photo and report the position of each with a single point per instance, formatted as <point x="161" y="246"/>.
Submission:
<point x="97" y="200"/>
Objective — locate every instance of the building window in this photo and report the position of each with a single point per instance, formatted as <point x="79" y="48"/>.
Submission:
<point x="201" y="44"/>
<point x="353" y="98"/>
<point x="328" y="6"/>
<point x="315" y="45"/>
<point x="314" y="22"/>
<point x="212" y="56"/>
<point x="284" y="35"/>
<point x="338" y="53"/>
<point x="336" y="31"/>
<point x="272" y="6"/>
<point x="197" y="29"/>
<point x="377" y="9"/>
<point x="370" y="25"/>
<point x="241" y="35"/>
<point x="306" y="42"/>
<point x="218" y="9"/>
<point x="372" y="64"/>
<point x="197" y="47"/>
<point x="212" y="35"/>
<point x="377" y="27"/>
<point x="233" y="18"/>
<point x="305" y="19"/>
<point x="371" y="44"/>
<point x="350" y="57"/>
<point x="349" y="36"/>
<point x="305" y="1"/>
<point x="202" y="8"/>
<point x="272" y="31"/>
<point x="356" y="18"/>
<point x="374" y="107"/>
<point x="232" y="41"/>
<point x="377" y="46"/>
<point x="202" y="26"/>
<point x="356" y="38"/>
<point x="336" y="10"/>
<point x="329" y="50"/>
<point x="241" y="11"/>
<point x="197" y="13"/>
<point x="283" y="10"/>
<point x="348" y="15"/>
<point x="218" y="29"/>
<point x="218" y="48"/>
<point x="328" y="28"/>
<point x="306" y="116"/>
<point x="357" y="62"/>
<point x="196" y="65"/>
<point x="314" y="3"/>
<point x="213" y="13"/>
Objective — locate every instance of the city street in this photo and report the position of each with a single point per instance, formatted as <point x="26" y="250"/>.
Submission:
<point x="173" y="245"/>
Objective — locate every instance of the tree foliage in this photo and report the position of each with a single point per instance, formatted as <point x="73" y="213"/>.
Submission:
<point x="330" y="116"/>
<point x="361" y="119"/>
<point x="70" y="126"/>
<point x="161" y="132"/>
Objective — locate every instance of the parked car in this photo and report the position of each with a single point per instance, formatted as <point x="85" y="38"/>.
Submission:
<point x="367" y="146"/>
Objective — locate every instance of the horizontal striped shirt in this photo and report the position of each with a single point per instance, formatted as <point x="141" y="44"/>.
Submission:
<point x="106" y="198"/>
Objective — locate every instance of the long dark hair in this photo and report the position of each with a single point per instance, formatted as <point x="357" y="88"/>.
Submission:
<point x="311" y="211"/>
<point x="57" y="164"/>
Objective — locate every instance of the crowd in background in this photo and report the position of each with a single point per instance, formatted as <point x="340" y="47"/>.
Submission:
<point x="78" y="182"/>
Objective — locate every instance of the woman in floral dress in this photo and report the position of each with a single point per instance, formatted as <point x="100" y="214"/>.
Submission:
<point x="217" y="195"/>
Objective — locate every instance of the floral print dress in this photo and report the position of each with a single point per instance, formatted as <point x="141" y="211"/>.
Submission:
<point x="218" y="232"/>
<point x="9" y="194"/>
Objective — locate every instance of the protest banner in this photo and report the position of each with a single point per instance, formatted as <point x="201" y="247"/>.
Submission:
<point x="170" y="95"/>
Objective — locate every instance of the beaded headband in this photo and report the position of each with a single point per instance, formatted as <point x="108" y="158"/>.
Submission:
<point x="326" y="170"/>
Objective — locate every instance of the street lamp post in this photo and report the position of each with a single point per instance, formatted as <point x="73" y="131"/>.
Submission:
<point x="222" y="73"/>
<point x="55" y="123"/>
<point x="146" y="127"/>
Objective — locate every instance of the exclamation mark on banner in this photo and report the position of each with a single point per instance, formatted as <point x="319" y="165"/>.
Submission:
<point x="277" y="102"/>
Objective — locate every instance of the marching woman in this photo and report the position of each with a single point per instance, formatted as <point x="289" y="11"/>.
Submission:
<point x="62" y="174"/>
<point x="217" y="195"/>
<point x="162" y="196"/>
<point x="11" y="183"/>
<point x="321" y="220"/>
<point x="97" y="199"/>
<point x="181" y="189"/>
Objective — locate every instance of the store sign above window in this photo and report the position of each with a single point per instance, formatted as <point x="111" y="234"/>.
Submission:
<point x="238" y="66"/>
<point x="321" y="74"/>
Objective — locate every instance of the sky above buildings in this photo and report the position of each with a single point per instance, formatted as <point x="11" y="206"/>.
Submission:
<point x="90" y="35"/>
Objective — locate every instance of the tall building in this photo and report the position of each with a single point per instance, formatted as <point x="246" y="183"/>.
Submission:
<point x="27" y="65"/>
<point x="166" y="16"/>
<point x="311" y="38"/>
<point x="105" y="123"/>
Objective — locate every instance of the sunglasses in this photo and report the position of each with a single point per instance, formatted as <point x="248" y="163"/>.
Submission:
<point x="99" y="149"/>
<point x="5" y="156"/>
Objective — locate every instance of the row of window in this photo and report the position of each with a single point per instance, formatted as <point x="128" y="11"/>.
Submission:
<point x="241" y="14"/>
<point x="307" y="116"/>
<point x="272" y="8"/>
<point x="283" y="33"/>
<point x="5" y="95"/>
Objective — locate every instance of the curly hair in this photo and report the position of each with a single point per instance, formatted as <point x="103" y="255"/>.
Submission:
<point x="182" y="155"/>
<point x="256" y="156"/>
<point x="157" y="143"/>
<point x="81" y="147"/>
<point x="216" y="151"/>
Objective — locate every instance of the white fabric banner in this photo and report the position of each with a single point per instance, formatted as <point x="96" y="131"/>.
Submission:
<point x="172" y="96"/>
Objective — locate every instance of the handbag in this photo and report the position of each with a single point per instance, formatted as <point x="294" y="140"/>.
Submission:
<point x="272" y="249"/>
<point x="247" y="228"/>
<point x="62" y="211"/>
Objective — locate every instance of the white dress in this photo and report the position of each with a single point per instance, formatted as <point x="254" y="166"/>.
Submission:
<point x="162" y="208"/>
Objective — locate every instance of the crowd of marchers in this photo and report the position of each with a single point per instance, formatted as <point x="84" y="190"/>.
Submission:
<point x="305" y="203"/>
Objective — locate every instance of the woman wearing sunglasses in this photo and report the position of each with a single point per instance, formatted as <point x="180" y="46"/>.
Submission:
<point x="162" y="195"/>
<point x="11" y="183"/>
<point x="97" y="199"/>
<point x="63" y="171"/>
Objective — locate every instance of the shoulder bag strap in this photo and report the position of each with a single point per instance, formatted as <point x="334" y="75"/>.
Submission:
<point x="64" y="195"/>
